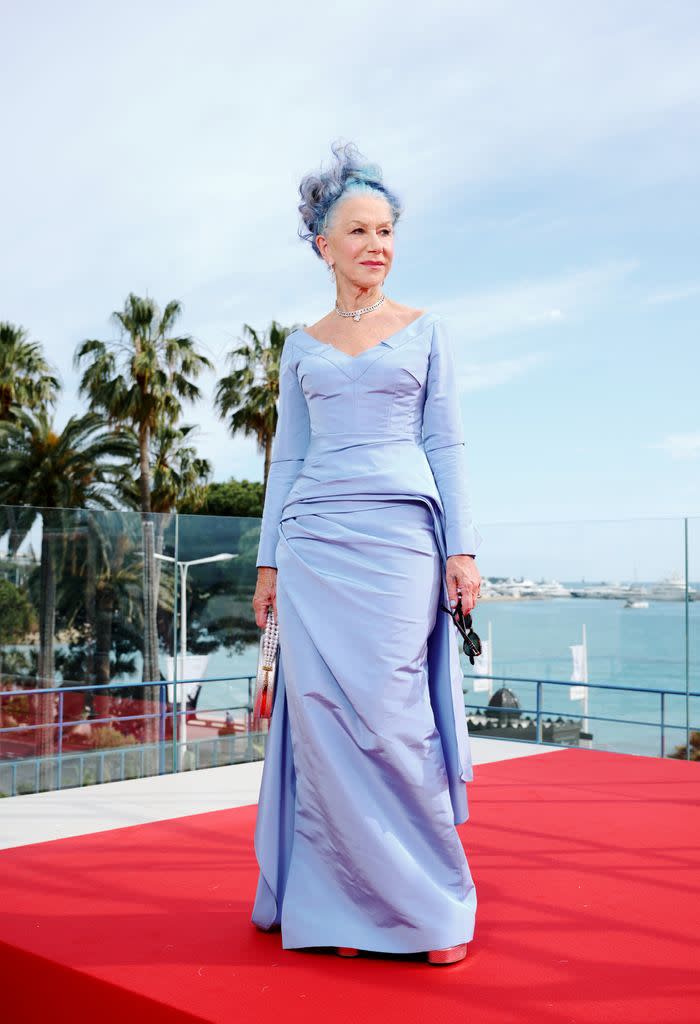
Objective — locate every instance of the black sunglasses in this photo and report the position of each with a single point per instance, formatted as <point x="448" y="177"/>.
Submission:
<point x="472" y="643"/>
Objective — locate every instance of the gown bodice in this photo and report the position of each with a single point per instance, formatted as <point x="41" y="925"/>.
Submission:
<point x="357" y="431"/>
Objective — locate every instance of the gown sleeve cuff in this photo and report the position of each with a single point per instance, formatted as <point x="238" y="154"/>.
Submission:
<point x="462" y="539"/>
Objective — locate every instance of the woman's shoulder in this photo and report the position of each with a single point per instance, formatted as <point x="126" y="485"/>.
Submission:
<point x="413" y="315"/>
<point x="422" y="317"/>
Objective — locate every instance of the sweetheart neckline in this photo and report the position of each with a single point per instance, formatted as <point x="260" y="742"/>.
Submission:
<point x="327" y="344"/>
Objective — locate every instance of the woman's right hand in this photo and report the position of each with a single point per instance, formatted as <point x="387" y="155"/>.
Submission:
<point x="265" y="594"/>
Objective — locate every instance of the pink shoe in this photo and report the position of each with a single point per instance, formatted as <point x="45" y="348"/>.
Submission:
<point x="447" y="956"/>
<point x="347" y="951"/>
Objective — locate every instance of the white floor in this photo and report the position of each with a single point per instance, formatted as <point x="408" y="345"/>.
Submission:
<point x="41" y="817"/>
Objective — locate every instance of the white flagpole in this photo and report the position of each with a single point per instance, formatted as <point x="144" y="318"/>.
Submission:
<point x="585" y="679"/>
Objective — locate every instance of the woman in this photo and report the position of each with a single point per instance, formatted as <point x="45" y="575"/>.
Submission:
<point x="366" y="528"/>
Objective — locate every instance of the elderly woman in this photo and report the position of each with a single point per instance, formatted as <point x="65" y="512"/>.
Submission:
<point x="366" y="531"/>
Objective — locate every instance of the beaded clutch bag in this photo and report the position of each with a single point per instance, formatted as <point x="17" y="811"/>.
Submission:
<point x="268" y="655"/>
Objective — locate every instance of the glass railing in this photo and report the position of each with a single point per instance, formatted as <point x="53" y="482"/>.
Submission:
<point x="591" y="633"/>
<point x="128" y="643"/>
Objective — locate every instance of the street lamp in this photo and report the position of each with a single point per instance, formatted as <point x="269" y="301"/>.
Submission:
<point x="183" y="566"/>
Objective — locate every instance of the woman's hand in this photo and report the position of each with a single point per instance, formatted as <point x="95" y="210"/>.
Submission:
<point x="265" y="594"/>
<point x="463" y="578"/>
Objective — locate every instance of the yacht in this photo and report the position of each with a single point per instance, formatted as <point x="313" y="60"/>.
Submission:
<point x="525" y="587"/>
<point x="672" y="588"/>
<point x="607" y="590"/>
<point x="552" y="589"/>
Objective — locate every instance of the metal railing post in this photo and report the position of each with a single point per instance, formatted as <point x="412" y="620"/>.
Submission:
<point x="687" y="644"/>
<point x="162" y="698"/>
<point x="176" y="627"/>
<point x="59" y="766"/>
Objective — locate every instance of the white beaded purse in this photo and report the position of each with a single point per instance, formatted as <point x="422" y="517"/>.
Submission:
<point x="268" y="656"/>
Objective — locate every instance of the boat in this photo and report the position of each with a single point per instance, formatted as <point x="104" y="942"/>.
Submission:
<point x="629" y="591"/>
<point x="672" y="588"/>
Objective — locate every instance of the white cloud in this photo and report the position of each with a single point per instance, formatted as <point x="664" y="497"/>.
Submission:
<point x="488" y="375"/>
<point x="680" y="446"/>
<point x="675" y="294"/>
<point x="534" y="302"/>
<point x="546" y="316"/>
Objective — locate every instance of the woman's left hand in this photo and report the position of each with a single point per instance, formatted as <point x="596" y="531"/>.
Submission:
<point x="463" y="579"/>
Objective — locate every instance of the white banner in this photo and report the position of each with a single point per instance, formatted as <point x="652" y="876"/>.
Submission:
<point x="194" y="668"/>
<point x="578" y="673"/>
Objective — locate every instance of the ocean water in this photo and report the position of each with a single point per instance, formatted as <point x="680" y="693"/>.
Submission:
<point x="627" y="647"/>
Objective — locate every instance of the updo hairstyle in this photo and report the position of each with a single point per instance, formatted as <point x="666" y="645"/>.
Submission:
<point x="321" y="190"/>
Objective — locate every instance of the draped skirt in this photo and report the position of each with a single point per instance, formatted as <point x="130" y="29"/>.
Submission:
<point x="355" y="834"/>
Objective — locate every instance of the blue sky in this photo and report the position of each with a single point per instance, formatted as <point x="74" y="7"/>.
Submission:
<point x="547" y="155"/>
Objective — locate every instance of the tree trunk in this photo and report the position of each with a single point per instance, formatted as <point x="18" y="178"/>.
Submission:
<point x="161" y="522"/>
<point x="144" y="468"/>
<point x="44" y="703"/>
<point x="104" y="618"/>
<point x="151" y="669"/>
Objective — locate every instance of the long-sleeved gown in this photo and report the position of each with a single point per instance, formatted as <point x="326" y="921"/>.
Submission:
<point x="368" y="751"/>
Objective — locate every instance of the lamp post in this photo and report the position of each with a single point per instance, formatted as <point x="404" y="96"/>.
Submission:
<point x="183" y="566"/>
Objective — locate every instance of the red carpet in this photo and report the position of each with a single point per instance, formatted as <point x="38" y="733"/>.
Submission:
<point x="586" y="867"/>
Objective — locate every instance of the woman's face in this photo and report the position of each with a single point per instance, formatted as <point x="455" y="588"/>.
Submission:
<point x="360" y="240"/>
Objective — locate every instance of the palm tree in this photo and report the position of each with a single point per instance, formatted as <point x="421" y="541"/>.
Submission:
<point x="247" y="398"/>
<point x="100" y="599"/>
<point x="179" y="475"/>
<point x="26" y="379"/>
<point x="140" y="381"/>
<point x="101" y="579"/>
<point x="46" y="472"/>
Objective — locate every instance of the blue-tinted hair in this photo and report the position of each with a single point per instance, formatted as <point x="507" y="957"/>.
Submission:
<point x="321" y="190"/>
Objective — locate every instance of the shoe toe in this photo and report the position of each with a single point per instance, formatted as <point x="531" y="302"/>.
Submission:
<point x="447" y="956"/>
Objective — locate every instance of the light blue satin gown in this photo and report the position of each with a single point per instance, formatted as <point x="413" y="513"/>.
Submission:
<point x="368" y="750"/>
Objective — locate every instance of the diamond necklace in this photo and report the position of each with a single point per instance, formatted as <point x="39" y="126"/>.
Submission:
<point x="357" y="313"/>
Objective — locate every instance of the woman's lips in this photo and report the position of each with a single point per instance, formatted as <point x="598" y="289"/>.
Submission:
<point x="369" y="263"/>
